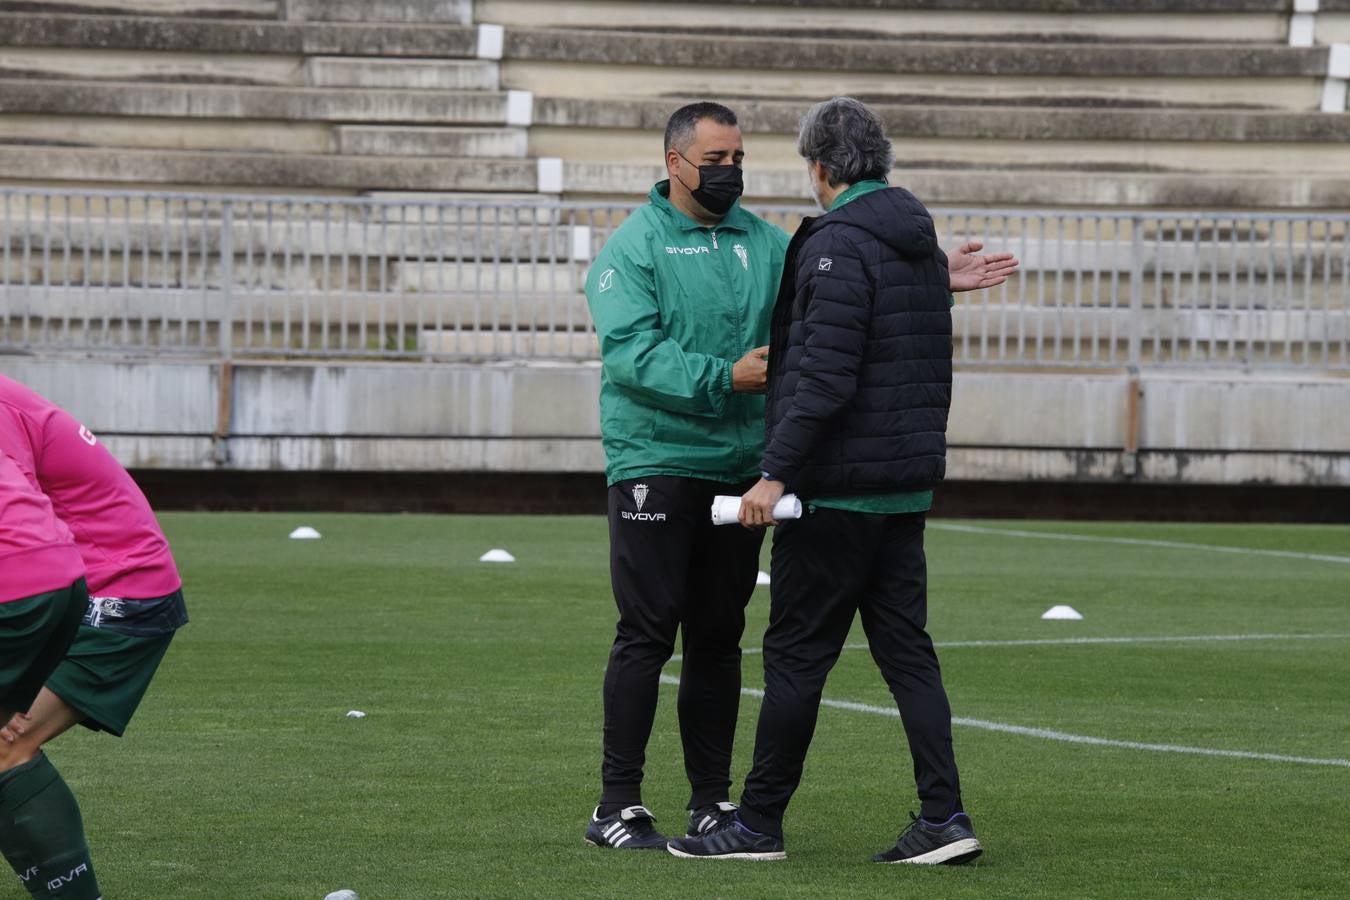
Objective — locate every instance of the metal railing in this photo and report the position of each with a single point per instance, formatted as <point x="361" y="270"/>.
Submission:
<point x="229" y="276"/>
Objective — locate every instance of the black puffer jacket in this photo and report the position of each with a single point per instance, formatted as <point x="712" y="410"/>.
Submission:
<point x="860" y="360"/>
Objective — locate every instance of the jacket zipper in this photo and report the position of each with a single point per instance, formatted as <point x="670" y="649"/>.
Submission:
<point x="736" y="313"/>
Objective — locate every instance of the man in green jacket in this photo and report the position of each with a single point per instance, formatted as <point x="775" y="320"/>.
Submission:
<point x="681" y="296"/>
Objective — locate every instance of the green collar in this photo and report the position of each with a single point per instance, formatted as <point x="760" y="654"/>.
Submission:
<point x="736" y="218"/>
<point x="857" y="190"/>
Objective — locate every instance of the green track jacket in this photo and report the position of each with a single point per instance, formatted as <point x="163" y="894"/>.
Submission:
<point x="675" y="305"/>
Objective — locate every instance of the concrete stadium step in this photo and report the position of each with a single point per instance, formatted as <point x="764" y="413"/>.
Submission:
<point x="442" y="12"/>
<point x="780" y="151"/>
<point x="320" y="251"/>
<point x="295" y="171"/>
<point x="537" y="279"/>
<point x="131" y="65"/>
<point x="537" y="208"/>
<point x="1062" y="334"/>
<point x="602" y="83"/>
<point x="199" y="9"/>
<point x="1000" y="58"/>
<point x="361" y="319"/>
<point x="248" y="136"/>
<point x="1198" y="20"/>
<point x="1065" y="293"/>
<point x="1032" y="187"/>
<point x="583" y="64"/>
<point x="336" y="308"/>
<point x="1248" y="275"/>
<point x="203" y="101"/>
<point x="400" y="74"/>
<point x="1019" y="119"/>
<point x="375" y="140"/>
<point x="1163" y="140"/>
<point x="419" y="218"/>
<point x="562" y="344"/>
<point x="1333" y="22"/>
<point x="370" y="275"/>
<point x="980" y="186"/>
<point x="1046" y="294"/>
<point x="227" y="36"/>
<point x="1170" y="260"/>
<point x="299" y="339"/>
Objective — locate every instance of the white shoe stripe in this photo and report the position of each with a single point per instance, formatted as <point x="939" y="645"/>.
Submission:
<point x="945" y="852"/>
<point x="620" y="841"/>
<point x="610" y="831"/>
<point x="707" y="823"/>
<point x="770" y="855"/>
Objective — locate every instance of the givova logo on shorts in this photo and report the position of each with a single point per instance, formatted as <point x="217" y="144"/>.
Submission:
<point x="640" y="492"/>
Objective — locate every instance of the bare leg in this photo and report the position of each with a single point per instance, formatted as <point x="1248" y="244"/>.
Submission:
<point x="25" y="733"/>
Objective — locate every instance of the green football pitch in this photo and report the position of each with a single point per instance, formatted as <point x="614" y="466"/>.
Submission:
<point x="476" y="765"/>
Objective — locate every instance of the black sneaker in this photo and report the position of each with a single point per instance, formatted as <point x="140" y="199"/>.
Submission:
<point x="627" y="829"/>
<point x="709" y="818"/>
<point x="731" y="841"/>
<point x="948" y="843"/>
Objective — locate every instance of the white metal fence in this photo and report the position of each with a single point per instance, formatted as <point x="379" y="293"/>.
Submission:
<point x="295" y="276"/>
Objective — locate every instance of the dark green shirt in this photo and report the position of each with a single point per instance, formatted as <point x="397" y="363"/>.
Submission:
<point x="897" y="501"/>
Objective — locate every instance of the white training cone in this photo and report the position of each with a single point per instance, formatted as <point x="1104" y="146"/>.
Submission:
<point x="1061" y="612"/>
<point x="496" y="555"/>
<point x="305" y="533"/>
<point x="763" y="578"/>
<point x="356" y="714"/>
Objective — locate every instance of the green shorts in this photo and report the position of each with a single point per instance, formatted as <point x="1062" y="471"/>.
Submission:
<point x="34" y="635"/>
<point x="108" y="668"/>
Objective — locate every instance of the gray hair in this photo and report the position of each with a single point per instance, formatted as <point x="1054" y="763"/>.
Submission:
<point x="848" y="139"/>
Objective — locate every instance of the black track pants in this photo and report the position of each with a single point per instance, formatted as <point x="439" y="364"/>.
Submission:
<point x="672" y="569"/>
<point x="826" y="567"/>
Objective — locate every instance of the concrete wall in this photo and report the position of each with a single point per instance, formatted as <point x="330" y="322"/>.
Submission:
<point x="1190" y="428"/>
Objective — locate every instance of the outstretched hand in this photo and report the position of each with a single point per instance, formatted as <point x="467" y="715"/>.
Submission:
<point x="969" y="270"/>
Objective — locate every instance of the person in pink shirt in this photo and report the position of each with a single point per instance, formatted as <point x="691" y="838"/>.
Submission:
<point x="136" y="599"/>
<point x="43" y="598"/>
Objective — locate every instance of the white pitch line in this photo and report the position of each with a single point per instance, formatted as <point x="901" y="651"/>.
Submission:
<point x="1140" y="542"/>
<point x="1065" y="737"/>
<point x="1066" y="642"/>
<point x="1175" y="639"/>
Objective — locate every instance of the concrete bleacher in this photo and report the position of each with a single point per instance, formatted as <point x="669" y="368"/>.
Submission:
<point x="1170" y="103"/>
<point x="240" y="95"/>
<point x="437" y="322"/>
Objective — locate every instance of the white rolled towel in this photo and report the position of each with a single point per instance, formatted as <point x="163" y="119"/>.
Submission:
<point x="727" y="510"/>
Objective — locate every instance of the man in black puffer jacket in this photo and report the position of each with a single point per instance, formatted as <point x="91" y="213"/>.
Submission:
<point x="860" y="380"/>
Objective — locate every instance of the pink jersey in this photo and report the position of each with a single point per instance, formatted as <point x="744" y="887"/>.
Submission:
<point x="37" y="553"/>
<point x="125" y="553"/>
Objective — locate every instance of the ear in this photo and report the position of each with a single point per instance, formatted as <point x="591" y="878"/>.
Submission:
<point x="672" y="162"/>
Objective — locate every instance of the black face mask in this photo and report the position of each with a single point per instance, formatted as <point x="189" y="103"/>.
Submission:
<point x="719" y="187"/>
